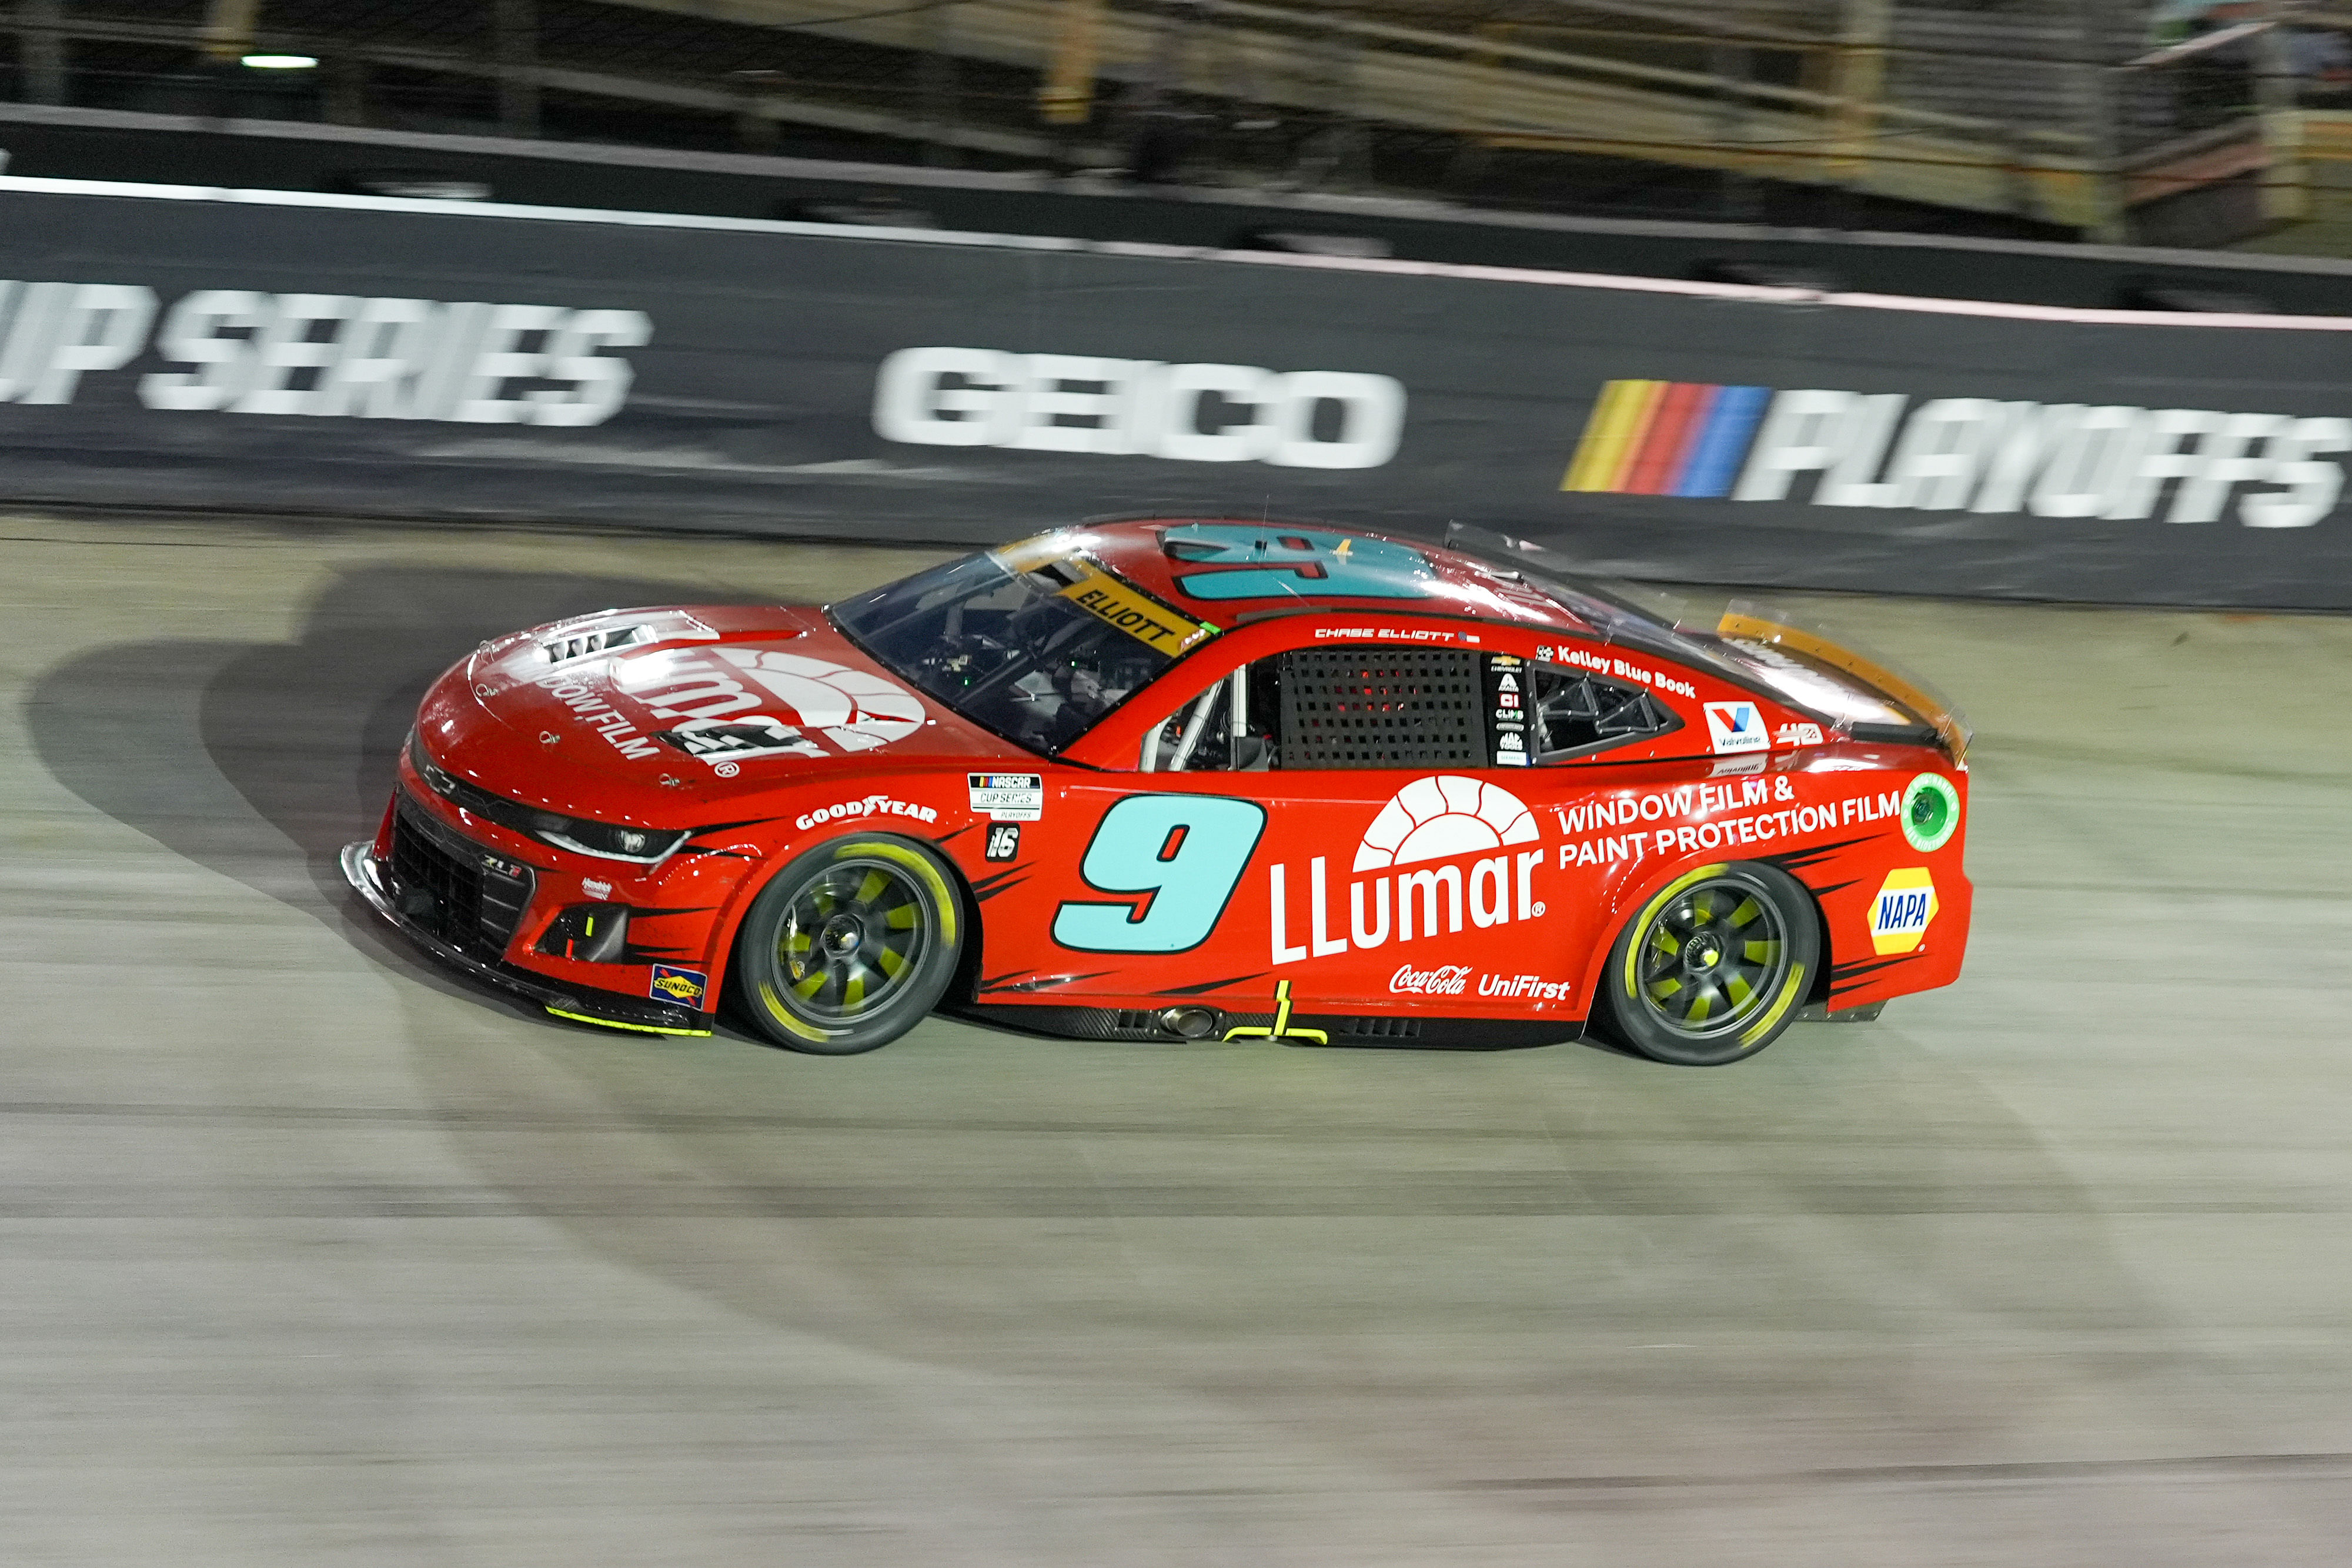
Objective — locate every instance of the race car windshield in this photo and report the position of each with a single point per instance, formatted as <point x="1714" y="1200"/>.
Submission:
<point x="1035" y="644"/>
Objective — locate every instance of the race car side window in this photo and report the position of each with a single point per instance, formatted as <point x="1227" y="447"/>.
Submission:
<point x="1228" y="729"/>
<point x="1578" y="714"/>
<point x="1382" y="705"/>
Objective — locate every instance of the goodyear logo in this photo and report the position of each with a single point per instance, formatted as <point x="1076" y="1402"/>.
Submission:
<point x="684" y="986"/>
<point x="1907" y="903"/>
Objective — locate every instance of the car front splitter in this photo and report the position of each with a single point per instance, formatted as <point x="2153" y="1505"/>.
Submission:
<point x="611" y="1009"/>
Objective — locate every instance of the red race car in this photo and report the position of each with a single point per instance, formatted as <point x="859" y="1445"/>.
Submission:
<point x="1182" y="779"/>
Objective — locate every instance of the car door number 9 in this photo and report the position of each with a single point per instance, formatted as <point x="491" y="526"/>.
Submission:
<point x="1182" y="854"/>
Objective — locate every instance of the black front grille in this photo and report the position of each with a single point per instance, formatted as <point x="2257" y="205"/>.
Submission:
<point x="466" y="895"/>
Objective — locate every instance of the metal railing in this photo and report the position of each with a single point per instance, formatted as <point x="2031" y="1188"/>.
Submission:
<point x="2043" y="115"/>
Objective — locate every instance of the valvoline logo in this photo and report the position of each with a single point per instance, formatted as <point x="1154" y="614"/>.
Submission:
<point x="1905" y="903"/>
<point x="1737" y="726"/>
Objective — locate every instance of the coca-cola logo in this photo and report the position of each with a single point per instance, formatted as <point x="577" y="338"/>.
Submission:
<point x="1446" y="980"/>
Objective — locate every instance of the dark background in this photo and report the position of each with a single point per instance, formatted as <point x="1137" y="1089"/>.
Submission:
<point x="752" y="406"/>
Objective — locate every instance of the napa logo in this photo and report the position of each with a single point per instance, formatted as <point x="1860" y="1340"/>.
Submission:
<point x="1905" y="903"/>
<point x="1737" y="726"/>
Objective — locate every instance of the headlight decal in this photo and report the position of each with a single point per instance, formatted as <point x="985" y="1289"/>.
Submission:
<point x="580" y="835"/>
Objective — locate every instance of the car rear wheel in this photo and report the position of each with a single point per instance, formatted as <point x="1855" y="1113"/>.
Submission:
<point x="1715" y="965"/>
<point x="850" y="945"/>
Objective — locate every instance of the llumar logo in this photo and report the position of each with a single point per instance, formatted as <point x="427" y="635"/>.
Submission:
<point x="1697" y="440"/>
<point x="1444" y="817"/>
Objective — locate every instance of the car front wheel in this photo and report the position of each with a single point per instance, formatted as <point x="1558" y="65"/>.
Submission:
<point x="1714" y="965"/>
<point x="850" y="945"/>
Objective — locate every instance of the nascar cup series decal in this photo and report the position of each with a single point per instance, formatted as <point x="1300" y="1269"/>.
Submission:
<point x="1007" y="797"/>
<point x="1899" y="915"/>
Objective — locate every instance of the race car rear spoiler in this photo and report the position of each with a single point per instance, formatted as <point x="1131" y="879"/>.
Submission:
<point x="1740" y="620"/>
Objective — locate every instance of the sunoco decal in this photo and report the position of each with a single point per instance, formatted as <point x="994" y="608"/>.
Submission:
<point x="1697" y="440"/>
<point x="688" y="987"/>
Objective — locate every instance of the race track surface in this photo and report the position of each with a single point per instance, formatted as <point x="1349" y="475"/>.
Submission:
<point x="312" y="1257"/>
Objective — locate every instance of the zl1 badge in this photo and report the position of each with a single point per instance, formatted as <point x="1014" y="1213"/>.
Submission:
<point x="1003" y="841"/>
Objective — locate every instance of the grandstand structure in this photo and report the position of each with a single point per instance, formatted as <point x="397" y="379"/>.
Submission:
<point x="2024" y="117"/>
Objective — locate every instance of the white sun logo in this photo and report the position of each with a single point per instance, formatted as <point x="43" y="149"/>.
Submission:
<point x="856" y="710"/>
<point x="1445" y="814"/>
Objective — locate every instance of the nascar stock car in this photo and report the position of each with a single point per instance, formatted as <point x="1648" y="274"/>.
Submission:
<point x="1181" y="779"/>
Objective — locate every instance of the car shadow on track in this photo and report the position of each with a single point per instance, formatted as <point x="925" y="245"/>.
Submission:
<point x="1234" y="1240"/>
<point x="261" y="761"/>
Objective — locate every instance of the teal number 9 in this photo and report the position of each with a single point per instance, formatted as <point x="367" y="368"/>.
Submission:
<point x="1184" y="853"/>
<point x="1255" y="562"/>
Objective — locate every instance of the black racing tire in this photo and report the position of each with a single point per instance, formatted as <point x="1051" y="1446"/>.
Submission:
<point x="1735" y="945"/>
<point x="851" y="945"/>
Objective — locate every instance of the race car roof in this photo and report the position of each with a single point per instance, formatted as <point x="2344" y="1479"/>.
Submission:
<point x="1252" y="567"/>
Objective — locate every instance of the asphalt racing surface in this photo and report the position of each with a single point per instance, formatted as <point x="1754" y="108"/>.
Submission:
<point x="310" y="1256"/>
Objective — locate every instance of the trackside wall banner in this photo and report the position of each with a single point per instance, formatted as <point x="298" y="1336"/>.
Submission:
<point x="441" y="359"/>
<point x="1889" y="452"/>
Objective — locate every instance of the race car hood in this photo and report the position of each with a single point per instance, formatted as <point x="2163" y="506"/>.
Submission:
<point x="716" y="702"/>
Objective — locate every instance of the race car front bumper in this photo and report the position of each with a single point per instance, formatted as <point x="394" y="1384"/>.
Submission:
<point x="375" y="882"/>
